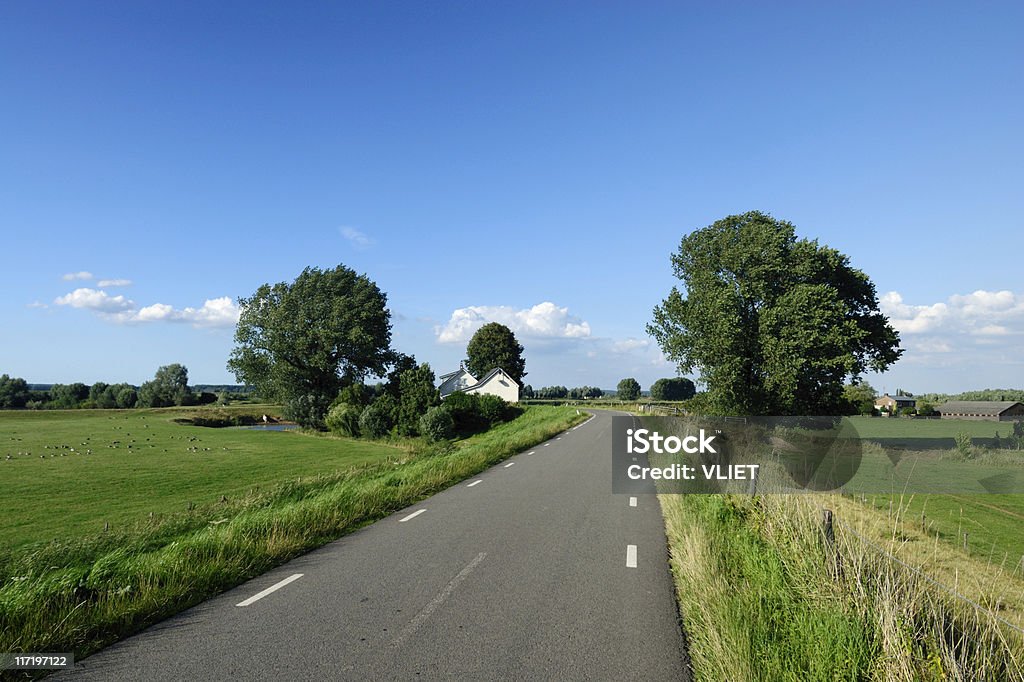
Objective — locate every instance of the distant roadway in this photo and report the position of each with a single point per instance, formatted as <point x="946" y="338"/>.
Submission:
<point x="531" y="570"/>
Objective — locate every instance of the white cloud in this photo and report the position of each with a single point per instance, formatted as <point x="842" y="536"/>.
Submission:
<point x="358" y="238"/>
<point x="37" y="304"/>
<point x="543" y="321"/>
<point x="626" y="345"/>
<point x="96" y="300"/>
<point x="966" y="336"/>
<point x="71" y="276"/>
<point x="114" y="283"/>
<point x="215" y="312"/>
<point x="153" y="313"/>
<point x="982" y="313"/>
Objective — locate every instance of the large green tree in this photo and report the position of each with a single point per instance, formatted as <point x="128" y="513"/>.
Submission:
<point x="301" y="343"/>
<point x="773" y="324"/>
<point x="494" y="345"/>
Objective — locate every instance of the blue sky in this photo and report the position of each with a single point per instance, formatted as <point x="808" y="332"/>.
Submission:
<point x="534" y="163"/>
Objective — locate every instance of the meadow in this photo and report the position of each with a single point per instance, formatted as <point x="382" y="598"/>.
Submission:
<point x="227" y="505"/>
<point x="75" y="472"/>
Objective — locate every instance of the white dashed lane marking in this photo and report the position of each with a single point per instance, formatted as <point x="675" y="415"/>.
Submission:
<point x="273" y="588"/>
<point x="412" y="516"/>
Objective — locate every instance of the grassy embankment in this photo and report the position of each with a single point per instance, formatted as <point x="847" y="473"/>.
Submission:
<point x="761" y="597"/>
<point x="220" y="516"/>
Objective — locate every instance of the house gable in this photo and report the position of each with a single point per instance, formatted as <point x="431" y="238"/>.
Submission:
<point x="496" y="382"/>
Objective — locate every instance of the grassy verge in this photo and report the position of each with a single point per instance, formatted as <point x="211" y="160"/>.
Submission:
<point x="80" y="595"/>
<point x="762" y="599"/>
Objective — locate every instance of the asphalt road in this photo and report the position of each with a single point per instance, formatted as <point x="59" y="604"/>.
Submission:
<point x="523" y="572"/>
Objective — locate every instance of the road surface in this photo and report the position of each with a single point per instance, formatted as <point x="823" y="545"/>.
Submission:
<point x="531" y="570"/>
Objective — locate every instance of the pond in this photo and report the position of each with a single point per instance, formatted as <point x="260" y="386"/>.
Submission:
<point x="270" y="427"/>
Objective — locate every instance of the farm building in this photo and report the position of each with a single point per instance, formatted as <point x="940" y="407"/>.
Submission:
<point x="889" y="403"/>
<point x="988" y="410"/>
<point x="496" y="382"/>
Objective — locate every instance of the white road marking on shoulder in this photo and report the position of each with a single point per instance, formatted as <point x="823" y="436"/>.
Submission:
<point x="509" y="464"/>
<point x="422" y="616"/>
<point x="273" y="588"/>
<point x="630" y="556"/>
<point x="632" y="502"/>
<point x="412" y="516"/>
<point x="531" y="452"/>
<point x="479" y="480"/>
<point x="546" y="444"/>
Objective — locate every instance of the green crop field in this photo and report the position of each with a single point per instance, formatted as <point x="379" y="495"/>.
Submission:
<point x="72" y="471"/>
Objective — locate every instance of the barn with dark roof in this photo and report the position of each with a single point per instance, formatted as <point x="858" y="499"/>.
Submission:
<point x="986" y="410"/>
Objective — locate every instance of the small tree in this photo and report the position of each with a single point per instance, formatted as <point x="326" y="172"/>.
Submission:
<point x="679" y="388"/>
<point x="628" y="389"/>
<point x="494" y="345"/>
<point x="169" y="387"/>
<point x="418" y="394"/>
<point x="13" y="392"/>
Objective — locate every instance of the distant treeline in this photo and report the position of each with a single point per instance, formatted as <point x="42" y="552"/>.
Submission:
<point x="559" y="392"/>
<point x="993" y="394"/>
<point x="169" y="387"/>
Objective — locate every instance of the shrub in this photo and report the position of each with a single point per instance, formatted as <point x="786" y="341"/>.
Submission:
<point x="964" y="446"/>
<point x="357" y="394"/>
<point x="343" y="419"/>
<point x="465" y="412"/>
<point x="378" y="418"/>
<point x="493" y="409"/>
<point x="437" y="424"/>
<point x="206" y="398"/>
<point x="307" y="410"/>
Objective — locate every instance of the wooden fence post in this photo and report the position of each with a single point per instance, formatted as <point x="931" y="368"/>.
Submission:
<point x="830" y="544"/>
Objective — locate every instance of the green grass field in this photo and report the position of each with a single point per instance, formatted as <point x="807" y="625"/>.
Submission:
<point x="922" y="434"/>
<point x="72" y="471"/>
<point x="992" y="522"/>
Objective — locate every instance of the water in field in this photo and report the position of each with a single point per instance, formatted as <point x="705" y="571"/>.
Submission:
<point x="271" y="427"/>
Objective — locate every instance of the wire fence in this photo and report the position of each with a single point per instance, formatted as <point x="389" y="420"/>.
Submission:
<point x="829" y="518"/>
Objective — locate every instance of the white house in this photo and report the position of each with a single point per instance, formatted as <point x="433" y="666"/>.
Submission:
<point x="458" y="380"/>
<point x="496" y="382"/>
